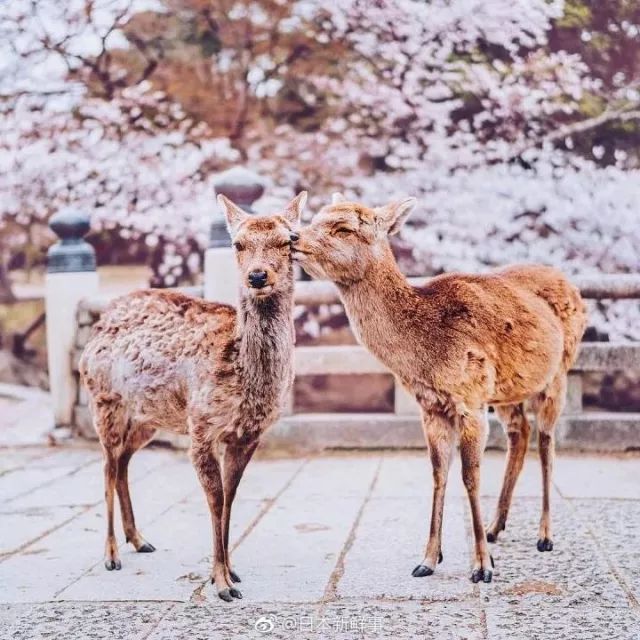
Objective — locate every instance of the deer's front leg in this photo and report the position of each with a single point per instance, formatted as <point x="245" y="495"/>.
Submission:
<point x="440" y="436"/>
<point x="208" y="470"/>
<point x="236" y="457"/>
<point x="472" y="442"/>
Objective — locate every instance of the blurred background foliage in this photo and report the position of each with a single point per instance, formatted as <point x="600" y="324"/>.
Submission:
<point x="515" y="123"/>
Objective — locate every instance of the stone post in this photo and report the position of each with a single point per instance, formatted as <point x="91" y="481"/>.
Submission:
<point x="574" y="393"/>
<point x="71" y="276"/>
<point x="220" y="274"/>
<point x="404" y="402"/>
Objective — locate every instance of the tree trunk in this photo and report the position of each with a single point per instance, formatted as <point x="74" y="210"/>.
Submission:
<point x="6" y="292"/>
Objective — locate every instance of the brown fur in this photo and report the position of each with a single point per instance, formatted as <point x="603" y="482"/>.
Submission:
<point x="164" y="360"/>
<point x="460" y="343"/>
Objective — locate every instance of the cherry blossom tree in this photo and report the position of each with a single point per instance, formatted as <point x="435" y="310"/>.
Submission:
<point x="515" y="122"/>
<point x="466" y="106"/>
<point x="75" y="134"/>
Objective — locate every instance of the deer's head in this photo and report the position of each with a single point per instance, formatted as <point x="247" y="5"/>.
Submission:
<point x="262" y="246"/>
<point x="345" y="238"/>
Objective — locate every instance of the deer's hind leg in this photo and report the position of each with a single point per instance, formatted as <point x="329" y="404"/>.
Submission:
<point x="110" y="426"/>
<point x="111" y="556"/>
<point x="473" y="437"/>
<point x="548" y="406"/>
<point x="518" y="430"/>
<point x="135" y="438"/>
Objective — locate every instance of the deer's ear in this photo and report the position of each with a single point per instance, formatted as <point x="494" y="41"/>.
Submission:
<point x="337" y="198"/>
<point x="294" y="209"/>
<point x="392" y="216"/>
<point x="233" y="214"/>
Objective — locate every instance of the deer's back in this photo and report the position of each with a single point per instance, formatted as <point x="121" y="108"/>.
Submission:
<point x="512" y="329"/>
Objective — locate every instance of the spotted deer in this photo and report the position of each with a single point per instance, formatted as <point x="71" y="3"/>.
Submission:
<point x="458" y="344"/>
<point x="163" y="360"/>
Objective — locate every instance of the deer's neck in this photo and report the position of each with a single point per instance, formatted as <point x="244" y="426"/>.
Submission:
<point x="381" y="308"/>
<point x="265" y="338"/>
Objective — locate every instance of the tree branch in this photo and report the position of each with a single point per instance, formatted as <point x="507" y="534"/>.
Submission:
<point x="609" y="115"/>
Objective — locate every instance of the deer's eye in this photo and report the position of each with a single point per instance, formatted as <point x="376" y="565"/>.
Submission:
<point x="238" y="246"/>
<point x="344" y="230"/>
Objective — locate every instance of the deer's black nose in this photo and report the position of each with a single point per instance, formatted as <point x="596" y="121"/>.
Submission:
<point x="293" y="236"/>
<point x="257" y="279"/>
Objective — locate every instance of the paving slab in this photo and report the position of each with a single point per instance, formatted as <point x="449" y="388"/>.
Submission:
<point x="145" y="458"/>
<point x="82" y="486"/>
<point x="85" y="485"/>
<point x="344" y="476"/>
<point x="67" y="553"/>
<point x="20" y="528"/>
<point x="16" y="458"/>
<point x="50" y="457"/>
<point x="275" y="560"/>
<point x="27" y="422"/>
<point x="313" y="513"/>
<point x="598" y="477"/>
<point x="390" y="542"/>
<point x="22" y="481"/>
<point x="181" y="533"/>
<point x="180" y="564"/>
<point x="529" y="482"/>
<point x="264" y="479"/>
<point x="409" y="474"/>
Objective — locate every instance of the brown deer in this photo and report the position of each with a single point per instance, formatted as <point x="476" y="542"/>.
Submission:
<point x="459" y="343"/>
<point x="163" y="360"/>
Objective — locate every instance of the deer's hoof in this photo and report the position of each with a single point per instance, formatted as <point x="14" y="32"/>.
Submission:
<point x="147" y="547"/>
<point x="493" y="532"/>
<point x="545" y="544"/>
<point x="421" y="571"/>
<point x="229" y="594"/>
<point x="482" y="575"/>
<point x="225" y="594"/>
<point x="110" y="565"/>
<point x="234" y="576"/>
<point x="440" y="557"/>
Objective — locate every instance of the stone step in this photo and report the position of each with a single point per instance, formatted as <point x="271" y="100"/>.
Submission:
<point x="590" y="431"/>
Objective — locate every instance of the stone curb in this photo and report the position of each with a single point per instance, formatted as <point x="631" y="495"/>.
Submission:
<point x="596" y="431"/>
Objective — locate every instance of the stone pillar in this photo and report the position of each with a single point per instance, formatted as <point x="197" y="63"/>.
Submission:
<point x="405" y="403"/>
<point x="573" y="404"/>
<point x="71" y="276"/>
<point x="220" y="273"/>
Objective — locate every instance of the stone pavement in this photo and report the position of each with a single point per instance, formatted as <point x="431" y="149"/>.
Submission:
<point x="325" y="545"/>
